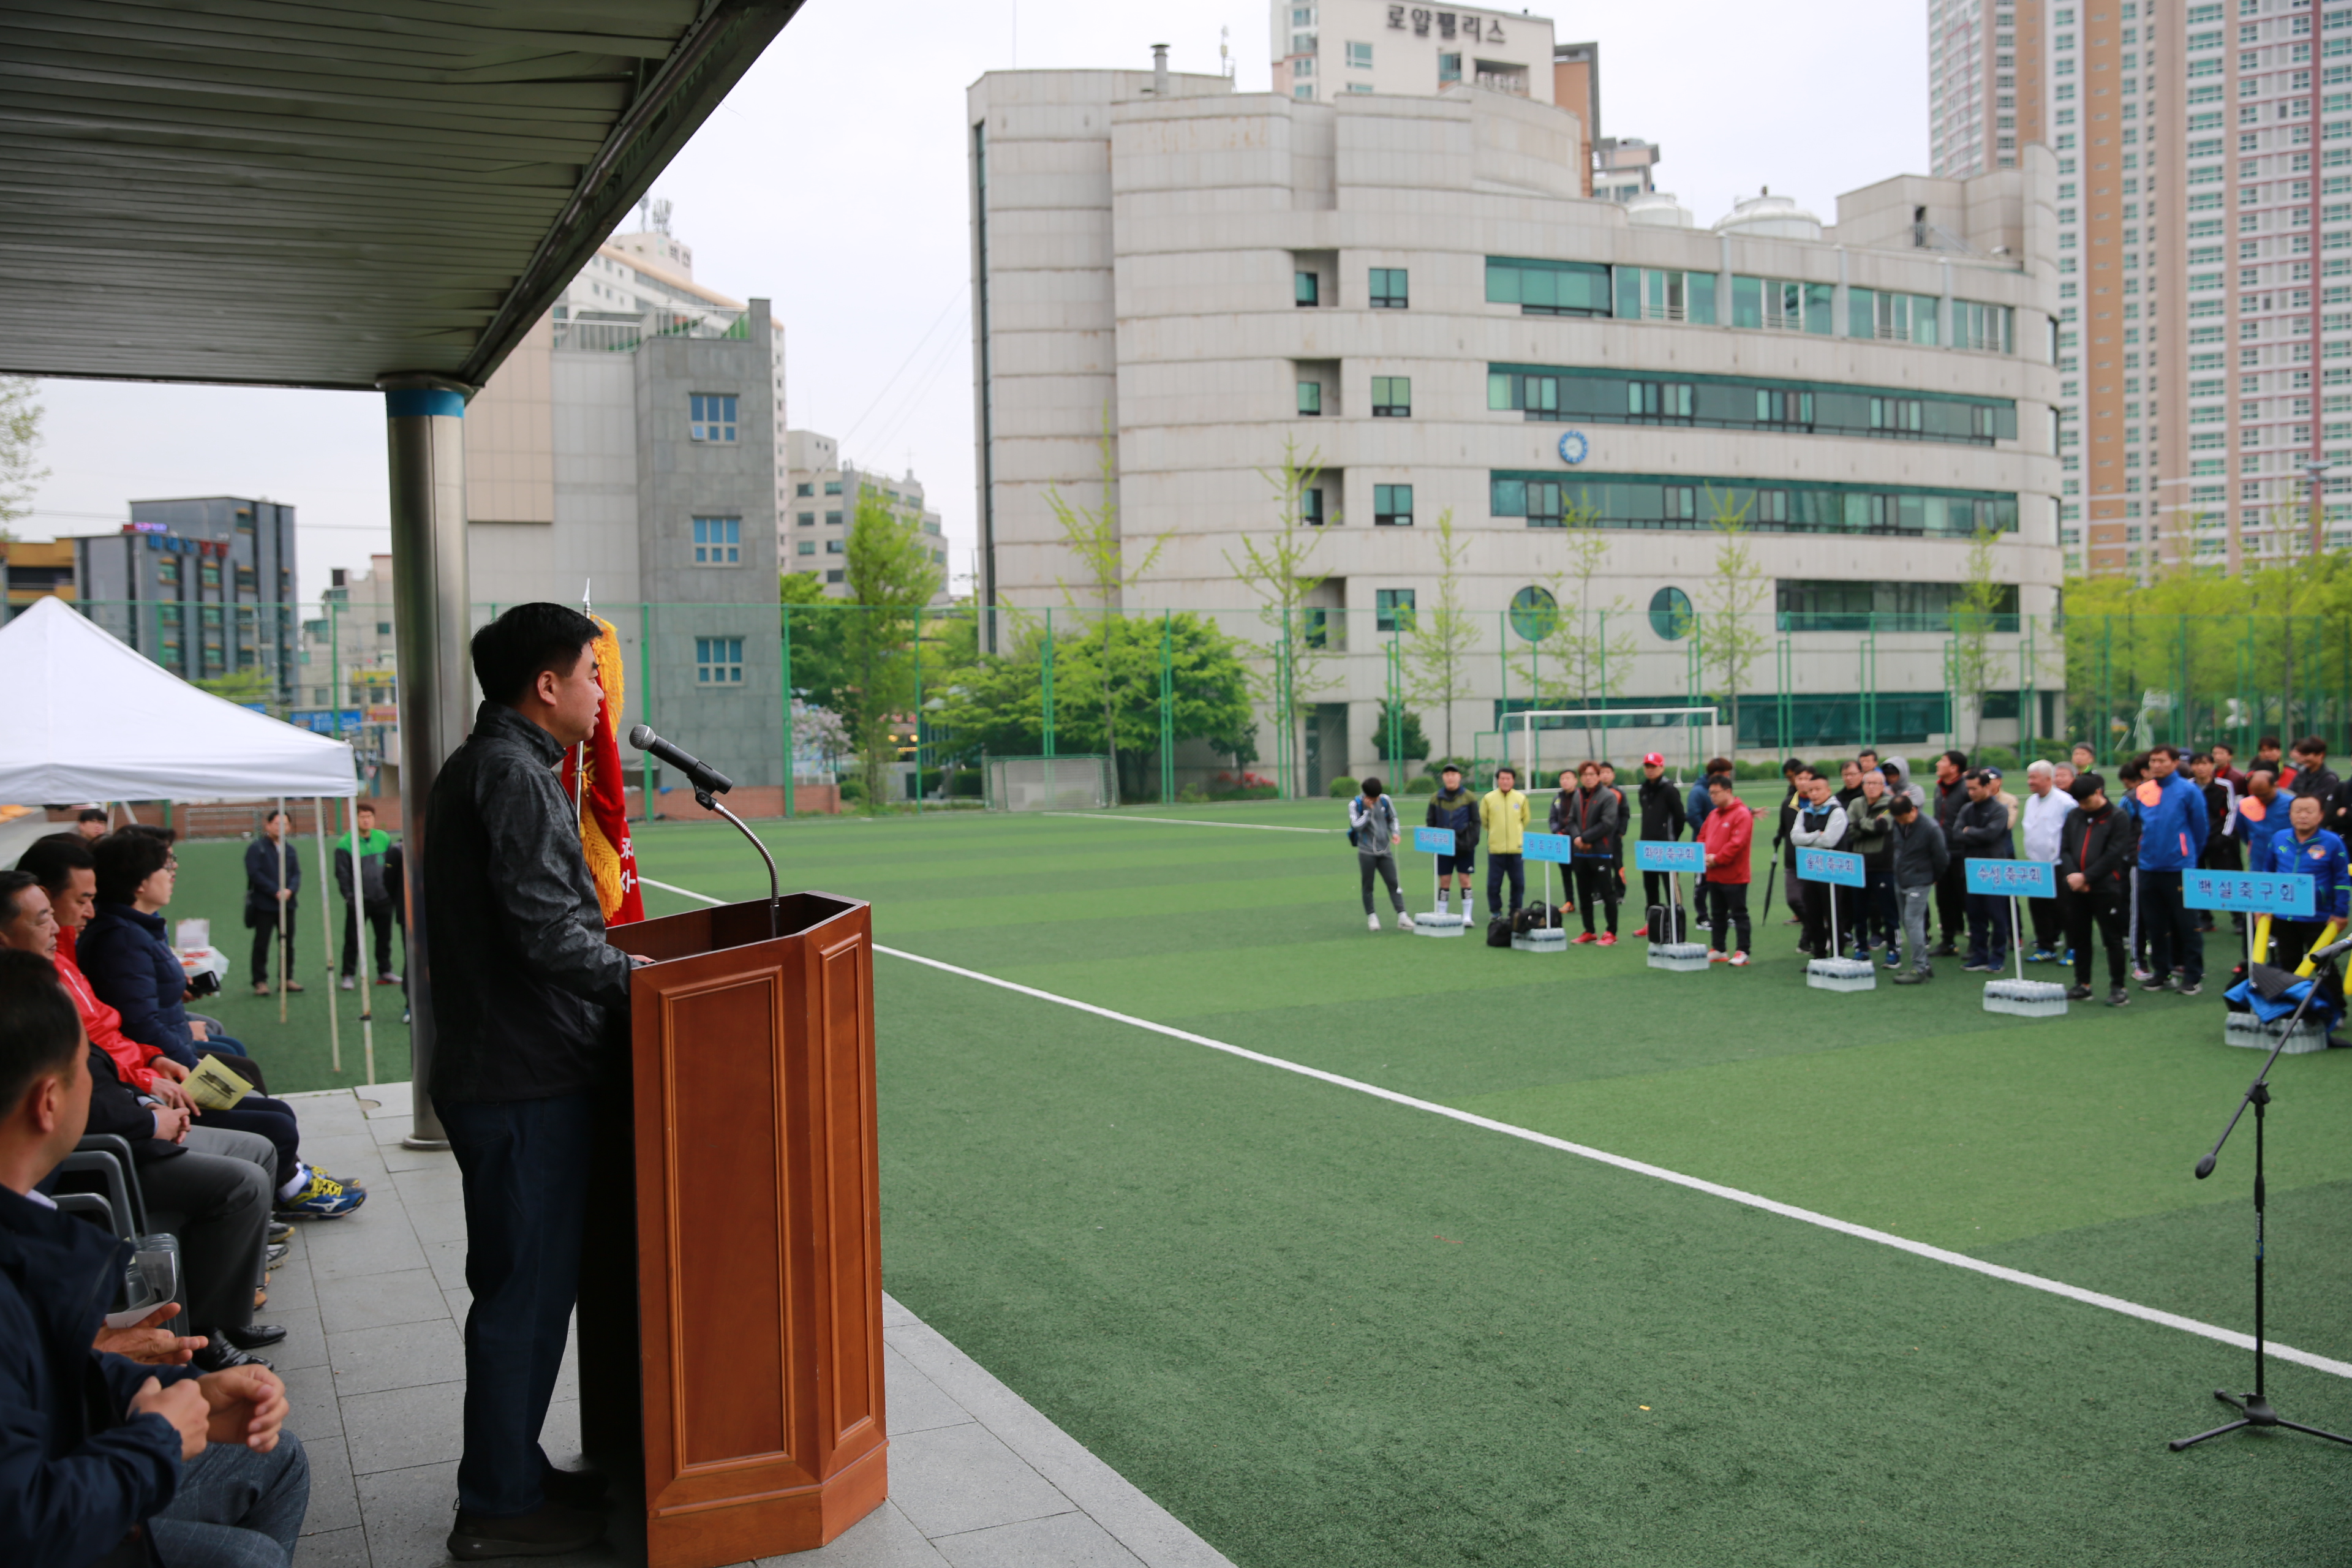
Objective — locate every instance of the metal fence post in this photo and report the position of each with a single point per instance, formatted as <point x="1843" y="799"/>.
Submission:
<point x="791" y="740"/>
<point x="918" y="653"/>
<point x="646" y="698"/>
<point x="1167" y="707"/>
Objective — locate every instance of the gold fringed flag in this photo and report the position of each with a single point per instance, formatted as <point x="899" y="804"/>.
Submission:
<point x="603" y="803"/>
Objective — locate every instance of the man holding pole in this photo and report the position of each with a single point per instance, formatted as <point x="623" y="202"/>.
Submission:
<point x="273" y="876"/>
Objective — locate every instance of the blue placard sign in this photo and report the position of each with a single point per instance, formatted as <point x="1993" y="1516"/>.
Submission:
<point x="2258" y="892"/>
<point x="2014" y="879"/>
<point x="1556" y="848"/>
<point x="1830" y="866"/>
<point x="1433" y="840"/>
<point x="1656" y="854"/>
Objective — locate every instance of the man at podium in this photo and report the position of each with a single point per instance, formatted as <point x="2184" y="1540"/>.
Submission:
<point x="528" y="1005"/>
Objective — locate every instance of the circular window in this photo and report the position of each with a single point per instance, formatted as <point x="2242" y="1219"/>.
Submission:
<point x="1534" y="613"/>
<point x="1670" y="614"/>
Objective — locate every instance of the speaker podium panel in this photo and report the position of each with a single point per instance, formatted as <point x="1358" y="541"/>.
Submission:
<point x="735" y="1354"/>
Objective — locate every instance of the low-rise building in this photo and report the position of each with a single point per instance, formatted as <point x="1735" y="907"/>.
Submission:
<point x="812" y="523"/>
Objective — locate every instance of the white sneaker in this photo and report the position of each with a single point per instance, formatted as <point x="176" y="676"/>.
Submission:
<point x="350" y="983"/>
<point x="1372" y="922"/>
<point x="1404" y="920"/>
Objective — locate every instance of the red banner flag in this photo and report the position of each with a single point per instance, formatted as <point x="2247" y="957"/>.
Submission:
<point x="602" y="797"/>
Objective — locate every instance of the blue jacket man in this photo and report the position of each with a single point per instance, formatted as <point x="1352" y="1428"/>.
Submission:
<point x="2320" y="856"/>
<point x="2173" y="823"/>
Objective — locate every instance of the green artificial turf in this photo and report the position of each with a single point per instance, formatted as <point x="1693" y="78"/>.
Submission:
<point x="1323" y="1329"/>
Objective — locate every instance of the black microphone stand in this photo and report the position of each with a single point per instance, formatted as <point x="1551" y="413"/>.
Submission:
<point x="708" y="802"/>
<point x="2254" y="1408"/>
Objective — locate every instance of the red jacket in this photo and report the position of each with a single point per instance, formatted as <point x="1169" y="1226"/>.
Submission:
<point x="104" y="1025"/>
<point x="1728" y="835"/>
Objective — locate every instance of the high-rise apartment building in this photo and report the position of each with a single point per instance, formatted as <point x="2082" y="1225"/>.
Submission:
<point x="1325" y="49"/>
<point x="204" y="586"/>
<point x="813" y="524"/>
<point x="1984" y="83"/>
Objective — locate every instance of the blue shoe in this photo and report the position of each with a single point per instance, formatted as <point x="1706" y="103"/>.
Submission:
<point x="1894" y="958"/>
<point x="324" y="1198"/>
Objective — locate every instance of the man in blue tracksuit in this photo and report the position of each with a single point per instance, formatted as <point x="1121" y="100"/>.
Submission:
<point x="2307" y="849"/>
<point x="2172" y="829"/>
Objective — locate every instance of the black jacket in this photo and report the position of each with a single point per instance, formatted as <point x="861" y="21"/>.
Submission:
<point x="127" y="960"/>
<point x="1790" y="804"/>
<point x="1661" y="809"/>
<point x="1916" y="855"/>
<point x="1458" y="811"/>
<point x="525" y="991"/>
<point x="261" y="876"/>
<point x="2103" y="847"/>
<point x="75" y="1474"/>
<point x="1947" y="802"/>
<point x="1981" y="831"/>
<point x="115" y="1106"/>
<point x="1595" y="815"/>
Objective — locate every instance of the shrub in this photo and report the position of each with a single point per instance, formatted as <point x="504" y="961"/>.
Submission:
<point x="1425" y="785"/>
<point x="852" y="789"/>
<point x="1342" y="787"/>
<point x="965" y="784"/>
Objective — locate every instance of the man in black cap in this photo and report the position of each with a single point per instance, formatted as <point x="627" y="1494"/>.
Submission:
<point x="2097" y="847"/>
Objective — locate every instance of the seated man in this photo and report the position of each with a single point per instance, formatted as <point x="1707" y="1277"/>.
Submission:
<point x="93" y="1446"/>
<point x="133" y="968"/>
<point x="213" y="1181"/>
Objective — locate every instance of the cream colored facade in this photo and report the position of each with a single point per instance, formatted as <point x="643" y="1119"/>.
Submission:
<point x="1325" y="49"/>
<point x="812" y="523"/>
<point x="1140" y="254"/>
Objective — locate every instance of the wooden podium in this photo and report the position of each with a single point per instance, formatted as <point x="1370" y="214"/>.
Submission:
<point x="732" y="1356"/>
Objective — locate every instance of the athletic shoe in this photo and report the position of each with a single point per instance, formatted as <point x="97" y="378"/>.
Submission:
<point x="1738" y="961"/>
<point x="1372" y="922"/>
<point x="1715" y="957"/>
<point x="1980" y="967"/>
<point x="2079" y="994"/>
<point x="2118" y="997"/>
<point x="2069" y="958"/>
<point x="324" y="1198"/>
<point x="1608" y="939"/>
<point x="2192" y="988"/>
<point x="1583" y="938"/>
<point x="2156" y="982"/>
<point x="2040" y="956"/>
<point x="1912" y="977"/>
<point x="279" y="1230"/>
<point x="1862" y="955"/>
<point x="387" y="980"/>
<point x="1894" y="958"/>
<point x="274" y="1253"/>
<point x="350" y="983"/>
<point x="2143" y="975"/>
<point x="1945" y="949"/>
<point x="1403" y="921"/>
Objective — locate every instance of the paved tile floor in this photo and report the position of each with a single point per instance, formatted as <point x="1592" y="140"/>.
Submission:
<point x="374" y="1363"/>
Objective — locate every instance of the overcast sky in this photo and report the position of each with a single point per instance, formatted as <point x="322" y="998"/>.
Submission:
<point x="832" y="182"/>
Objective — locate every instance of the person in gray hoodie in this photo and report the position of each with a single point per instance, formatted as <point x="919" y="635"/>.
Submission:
<point x="1372" y="829"/>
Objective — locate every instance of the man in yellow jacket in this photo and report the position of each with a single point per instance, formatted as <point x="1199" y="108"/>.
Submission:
<point x="1502" y="820"/>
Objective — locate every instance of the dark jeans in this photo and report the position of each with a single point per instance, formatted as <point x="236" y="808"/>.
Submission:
<point x="1952" y="901"/>
<point x="2290" y="939"/>
<point x="1730" y="912"/>
<point x="2174" y="943"/>
<point x="1989" y="919"/>
<point x="1877" y="907"/>
<point x="2101" y="907"/>
<point x="1596" y="883"/>
<point x="237" y="1508"/>
<point x="2049" y="931"/>
<point x="1497" y="867"/>
<point x="525" y="1164"/>
<point x="379" y="918"/>
<point x="265" y="942"/>
<point x="1820" y="903"/>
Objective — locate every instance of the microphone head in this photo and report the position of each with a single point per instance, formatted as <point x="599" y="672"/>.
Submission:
<point x="2205" y="1167"/>
<point x="640" y="736"/>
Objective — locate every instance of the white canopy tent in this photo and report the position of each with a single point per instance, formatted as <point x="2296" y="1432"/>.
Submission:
<point x="83" y="716"/>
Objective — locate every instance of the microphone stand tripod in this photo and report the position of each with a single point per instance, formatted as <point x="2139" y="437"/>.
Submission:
<point x="708" y="802"/>
<point x="2254" y="1408"/>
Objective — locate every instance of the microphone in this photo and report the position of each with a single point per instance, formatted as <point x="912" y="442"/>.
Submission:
<point x="698" y="773"/>
<point x="2333" y="949"/>
<point x="2205" y="1167"/>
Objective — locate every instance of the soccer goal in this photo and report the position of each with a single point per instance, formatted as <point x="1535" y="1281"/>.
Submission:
<point x="1050" y="783"/>
<point x="1685" y="737"/>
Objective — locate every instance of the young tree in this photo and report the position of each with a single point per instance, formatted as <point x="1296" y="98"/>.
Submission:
<point x="1412" y="744"/>
<point x="1095" y="537"/>
<point x="1281" y="574"/>
<point x="1729" y="638"/>
<point x="1438" y="638"/>
<point x="1976" y="667"/>
<point x="891" y="576"/>
<point x="20" y="440"/>
<point x="820" y="631"/>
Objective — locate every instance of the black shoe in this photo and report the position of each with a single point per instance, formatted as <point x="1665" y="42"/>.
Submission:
<point x="2118" y="997"/>
<point x="253" y="1336"/>
<point x="2189" y="988"/>
<point x="280" y="1231"/>
<point x="581" y="1489"/>
<point x="549" y="1529"/>
<point x="1912" y="977"/>
<point x="2079" y="994"/>
<point x="1946" y="949"/>
<point x="219" y="1355"/>
<point x="2156" y="982"/>
<point x="2338" y="1043"/>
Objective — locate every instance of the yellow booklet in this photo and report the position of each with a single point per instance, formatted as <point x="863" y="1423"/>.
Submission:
<point x="215" y="1087"/>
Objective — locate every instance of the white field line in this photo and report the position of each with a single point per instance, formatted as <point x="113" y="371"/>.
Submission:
<point x="1187" y="822"/>
<point x="1714" y="1189"/>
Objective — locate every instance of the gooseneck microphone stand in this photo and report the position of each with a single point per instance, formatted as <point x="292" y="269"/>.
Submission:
<point x="708" y="784"/>
<point x="2254" y="1408"/>
<point x="708" y="802"/>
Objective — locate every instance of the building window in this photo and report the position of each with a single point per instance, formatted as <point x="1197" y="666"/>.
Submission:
<point x="1392" y="397"/>
<point x="836" y="547"/>
<point x="1359" y="57"/>
<point x="1307" y="287"/>
<point x="1393" y="609"/>
<point x="1534" y="613"/>
<point x="717" y="541"/>
<point x="1549" y="288"/>
<point x="1310" y="398"/>
<point x="711" y="417"/>
<point x="1310" y="506"/>
<point x="1389" y="290"/>
<point x="807" y="519"/>
<point x="833" y="520"/>
<point x="718" y="662"/>
<point x="1449" y="68"/>
<point x="383" y="629"/>
<point x="1391" y="505"/>
<point x="807" y="547"/>
<point x="805" y="489"/>
<point x="836" y="576"/>
<point x="1670" y="614"/>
